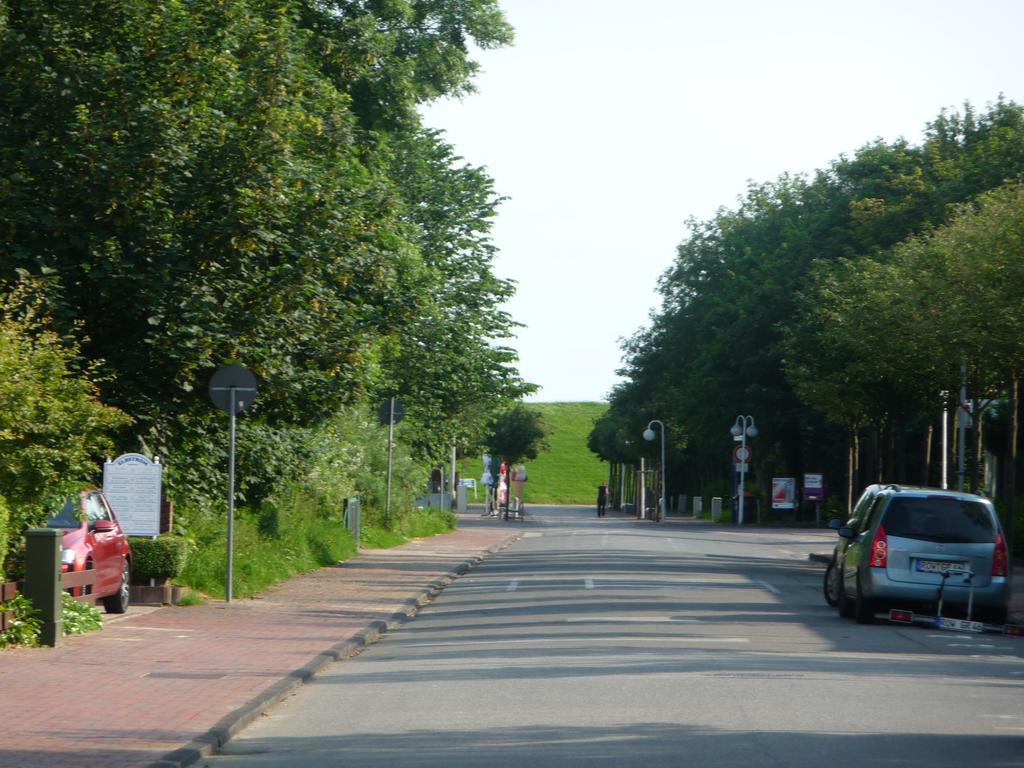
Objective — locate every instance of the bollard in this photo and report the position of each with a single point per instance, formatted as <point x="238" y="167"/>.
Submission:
<point x="352" y="510"/>
<point x="716" y="508"/>
<point x="698" y="506"/>
<point x="42" y="580"/>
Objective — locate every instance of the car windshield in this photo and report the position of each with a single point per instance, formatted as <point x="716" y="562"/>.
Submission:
<point x="67" y="517"/>
<point x="940" y="518"/>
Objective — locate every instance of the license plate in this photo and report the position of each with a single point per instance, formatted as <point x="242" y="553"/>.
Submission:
<point x="936" y="566"/>
<point x="959" y="625"/>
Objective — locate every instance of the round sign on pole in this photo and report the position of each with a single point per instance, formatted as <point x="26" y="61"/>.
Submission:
<point x="386" y="412"/>
<point x="237" y="378"/>
<point x="741" y="453"/>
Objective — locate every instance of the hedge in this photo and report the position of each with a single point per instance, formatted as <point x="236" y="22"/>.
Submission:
<point x="161" y="558"/>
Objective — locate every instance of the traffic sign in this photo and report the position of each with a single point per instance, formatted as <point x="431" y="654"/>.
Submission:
<point x="386" y="412"/>
<point x="741" y="454"/>
<point x="238" y="379"/>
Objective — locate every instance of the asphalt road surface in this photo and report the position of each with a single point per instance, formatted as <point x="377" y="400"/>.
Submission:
<point x="615" y="642"/>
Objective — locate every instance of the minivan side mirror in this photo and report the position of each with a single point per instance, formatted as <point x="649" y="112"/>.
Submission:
<point x="102" y="526"/>
<point x="847" y="533"/>
<point x="835" y="523"/>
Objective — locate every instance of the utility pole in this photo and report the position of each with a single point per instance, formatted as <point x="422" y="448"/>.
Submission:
<point x="963" y="421"/>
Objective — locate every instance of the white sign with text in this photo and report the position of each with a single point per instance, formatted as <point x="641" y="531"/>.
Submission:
<point x="132" y="484"/>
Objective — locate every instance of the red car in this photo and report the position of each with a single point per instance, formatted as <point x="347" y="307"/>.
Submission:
<point x="93" y="538"/>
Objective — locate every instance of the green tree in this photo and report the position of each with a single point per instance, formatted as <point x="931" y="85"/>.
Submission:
<point x="54" y="431"/>
<point x="517" y="434"/>
<point x="215" y="182"/>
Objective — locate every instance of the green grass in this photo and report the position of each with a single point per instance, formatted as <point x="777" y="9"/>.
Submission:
<point x="567" y="473"/>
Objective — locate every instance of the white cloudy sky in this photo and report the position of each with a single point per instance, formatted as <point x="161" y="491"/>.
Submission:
<point x="609" y="124"/>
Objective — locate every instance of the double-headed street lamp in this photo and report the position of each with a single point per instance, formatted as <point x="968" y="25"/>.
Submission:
<point x="649" y="436"/>
<point x="740" y="431"/>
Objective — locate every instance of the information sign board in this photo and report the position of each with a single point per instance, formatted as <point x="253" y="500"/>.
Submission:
<point x="814" y="487"/>
<point x="132" y="483"/>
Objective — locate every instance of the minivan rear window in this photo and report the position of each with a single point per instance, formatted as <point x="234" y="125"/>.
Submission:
<point x="936" y="518"/>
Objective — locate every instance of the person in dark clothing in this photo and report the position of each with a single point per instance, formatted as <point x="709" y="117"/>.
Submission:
<point x="602" y="499"/>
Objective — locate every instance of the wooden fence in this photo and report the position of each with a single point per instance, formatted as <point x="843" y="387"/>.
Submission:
<point x="7" y="591"/>
<point x="78" y="584"/>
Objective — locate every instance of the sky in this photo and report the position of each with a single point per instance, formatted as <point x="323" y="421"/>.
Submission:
<point x="609" y="125"/>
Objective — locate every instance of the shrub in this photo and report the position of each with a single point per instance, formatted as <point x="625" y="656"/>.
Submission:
<point x="161" y="558"/>
<point x="77" y="617"/>
<point x="24" y="627"/>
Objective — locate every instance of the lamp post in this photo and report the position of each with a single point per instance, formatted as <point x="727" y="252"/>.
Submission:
<point x="740" y="431"/>
<point x="649" y="436"/>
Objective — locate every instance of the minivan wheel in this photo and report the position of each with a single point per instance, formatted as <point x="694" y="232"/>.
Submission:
<point x="864" y="609"/>
<point x="831" y="585"/>
<point x="118" y="602"/>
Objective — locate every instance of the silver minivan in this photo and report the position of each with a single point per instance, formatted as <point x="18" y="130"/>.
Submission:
<point x="901" y="541"/>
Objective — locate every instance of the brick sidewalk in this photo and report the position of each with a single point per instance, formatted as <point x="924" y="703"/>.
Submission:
<point x="160" y="688"/>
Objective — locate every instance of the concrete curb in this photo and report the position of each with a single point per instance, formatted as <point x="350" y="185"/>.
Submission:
<point x="217" y="736"/>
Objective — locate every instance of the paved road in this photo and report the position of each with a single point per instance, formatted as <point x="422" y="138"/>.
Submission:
<point x="624" y="643"/>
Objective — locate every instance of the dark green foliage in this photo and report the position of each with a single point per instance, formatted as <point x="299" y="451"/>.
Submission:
<point x="211" y="183"/>
<point x="795" y="308"/>
<point x="161" y="558"/>
<point x="517" y="434"/>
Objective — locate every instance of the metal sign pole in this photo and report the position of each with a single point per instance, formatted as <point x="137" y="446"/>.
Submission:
<point x="391" y="443"/>
<point x="232" y="389"/>
<point x="231" y="497"/>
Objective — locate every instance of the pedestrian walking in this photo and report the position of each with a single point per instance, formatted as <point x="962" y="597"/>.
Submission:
<point x="602" y="499"/>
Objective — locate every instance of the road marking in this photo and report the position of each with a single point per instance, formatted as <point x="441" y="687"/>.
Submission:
<point x="512" y="585"/>
<point x="550" y="640"/>
<point x="631" y="620"/>
<point x="671" y="542"/>
<point x="163" y="629"/>
<point x="588" y="583"/>
<point x="979" y="646"/>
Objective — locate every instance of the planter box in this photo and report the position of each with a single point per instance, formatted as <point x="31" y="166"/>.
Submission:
<point x="166" y="594"/>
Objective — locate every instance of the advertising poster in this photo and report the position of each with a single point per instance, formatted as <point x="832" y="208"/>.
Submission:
<point x="783" y="493"/>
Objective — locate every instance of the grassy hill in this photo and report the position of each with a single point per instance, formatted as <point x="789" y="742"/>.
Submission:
<point x="567" y="473"/>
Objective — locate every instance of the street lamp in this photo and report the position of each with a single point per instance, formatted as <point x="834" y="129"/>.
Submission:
<point x="649" y="436"/>
<point x="740" y="431"/>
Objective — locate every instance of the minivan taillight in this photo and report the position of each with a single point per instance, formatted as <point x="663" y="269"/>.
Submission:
<point x="999" y="557"/>
<point x="879" y="549"/>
